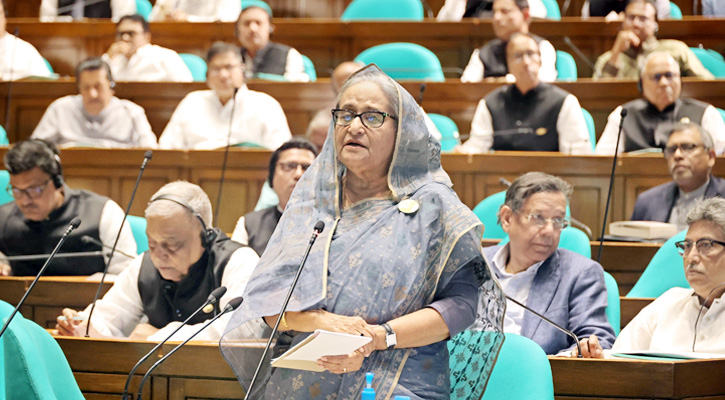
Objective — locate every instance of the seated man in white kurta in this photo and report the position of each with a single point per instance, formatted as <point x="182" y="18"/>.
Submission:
<point x="203" y="118"/>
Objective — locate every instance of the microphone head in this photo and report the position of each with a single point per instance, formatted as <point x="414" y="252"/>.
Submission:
<point x="148" y="154"/>
<point x="319" y="227"/>
<point x="623" y="113"/>
<point x="75" y="222"/>
<point x="216" y="294"/>
<point x="233" y="303"/>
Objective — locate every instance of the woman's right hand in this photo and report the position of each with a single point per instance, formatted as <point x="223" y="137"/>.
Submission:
<point x="343" y="324"/>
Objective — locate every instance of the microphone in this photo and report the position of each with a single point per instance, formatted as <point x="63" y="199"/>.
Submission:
<point x="694" y="338"/>
<point x="423" y="86"/>
<point x="554" y="324"/>
<point x="319" y="227"/>
<point x="74" y="223"/>
<point x="32" y="257"/>
<point x="226" y="156"/>
<point x="91" y="240"/>
<point x="231" y="306"/>
<point x="213" y="298"/>
<point x="580" y="53"/>
<point x="611" y="183"/>
<point x="146" y="157"/>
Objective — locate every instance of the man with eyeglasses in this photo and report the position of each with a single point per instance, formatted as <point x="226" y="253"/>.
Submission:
<point x="564" y="286"/>
<point x="661" y="87"/>
<point x="286" y="167"/>
<point x="204" y="118"/>
<point x="132" y="57"/>
<point x="43" y="208"/>
<point x="637" y="39"/>
<point x="528" y="115"/>
<point x="690" y="156"/>
<point x="688" y="319"/>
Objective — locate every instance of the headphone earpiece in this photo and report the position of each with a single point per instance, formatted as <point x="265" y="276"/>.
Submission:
<point x="112" y="84"/>
<point x="208" y="235"/>
<point x="639" y="85"/>
<point x="56" y="178"/>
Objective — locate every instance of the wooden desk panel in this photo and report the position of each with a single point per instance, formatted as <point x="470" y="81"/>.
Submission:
<point x="328" y="41"/>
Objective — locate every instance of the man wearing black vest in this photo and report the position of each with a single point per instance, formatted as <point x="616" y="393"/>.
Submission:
<point x="661" y="87"/>
<point x="528" y="115"/>
<point x="185" y="262"/>
<point x="509" y="17"/>
<point x="43" y="208"/>
<point x="79" y="9"/>
<point x="286" y="167"/>
<point x="253" y="29"/>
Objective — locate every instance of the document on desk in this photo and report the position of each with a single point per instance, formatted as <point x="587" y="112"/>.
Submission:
<point x="672" y="355"/>
<point x="320" y="343"/>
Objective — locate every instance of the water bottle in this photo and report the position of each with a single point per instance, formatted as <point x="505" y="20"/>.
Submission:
<point x="368" y="393"/>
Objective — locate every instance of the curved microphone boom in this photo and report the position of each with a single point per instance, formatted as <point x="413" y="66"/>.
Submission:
<point x="694" y="337"/>
<point x="146" y="157"/>
<point x="231" y="306"/>
<point x="226" y="156"/>
<point x="213" y="298"/>
<point x="74" y="223"/>
<point x="319" y="227"/>
<point x="91" y="240"/>
<point x="611" y="183"/>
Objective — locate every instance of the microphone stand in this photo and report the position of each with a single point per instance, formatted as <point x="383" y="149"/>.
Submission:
<point x="74" y="223"/>
<point x="31" y="257"/>
<point x="226" y="156"/>
<point x="147" y="156"/>
<point x="213" y="298"/>
<point x="611" y="183"/>
<point x="319" y="226"/>
<point x="233" y="304"/>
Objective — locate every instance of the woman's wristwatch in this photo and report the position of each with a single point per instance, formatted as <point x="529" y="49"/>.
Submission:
<point x="390" y="338"/>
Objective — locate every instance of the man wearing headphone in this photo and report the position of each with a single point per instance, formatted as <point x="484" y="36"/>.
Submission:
<point x="661" y="86"/>
<point x="95" y="117"/>
<point x="185" y="262"/>
<point x="42" y="211"/>
<point x="253" y="28"/>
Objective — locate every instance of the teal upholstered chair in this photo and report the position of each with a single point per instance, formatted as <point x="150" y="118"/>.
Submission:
<point x="143" y="8"/>
<point x="613" y="309"/>
<point x="47" y="64"/>
<point x="712" y="60"/>
<point x="4" y="137"/>
<point x="590" y="127"/>
<point x="449" y="131"/>
<point x="396" y="10"/>
<point x="196" y="65"/>
<point x="309" y="68"/>
<point x="565" y="67"/>
<point x="5" y="197"/>
<point x="722" y="113"/>
<point x="404" y="61"/>
<point x="138" y="227"/>
<point x="552" y="10"/>
<point x="487" y="211"/>
<point x="675" y="11"/>
<point x="34" y="366"/>
<point x="665" y="271"/>
<point x="522" y="372"/>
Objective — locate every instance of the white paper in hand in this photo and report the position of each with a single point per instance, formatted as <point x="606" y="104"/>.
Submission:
<point x="319" y="344"/>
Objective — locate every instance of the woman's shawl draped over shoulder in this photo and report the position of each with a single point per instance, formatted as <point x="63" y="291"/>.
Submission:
<point x="371" y="261"/>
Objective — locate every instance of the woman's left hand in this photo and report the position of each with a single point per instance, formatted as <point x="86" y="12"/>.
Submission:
<point x="343" y="364"/>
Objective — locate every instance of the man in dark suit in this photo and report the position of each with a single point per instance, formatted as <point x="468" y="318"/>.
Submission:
<point x="564" y="286"/>
<point x="690" y="155"/>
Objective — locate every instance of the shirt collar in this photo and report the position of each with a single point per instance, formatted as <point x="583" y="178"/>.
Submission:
<point x="499" y="263"/>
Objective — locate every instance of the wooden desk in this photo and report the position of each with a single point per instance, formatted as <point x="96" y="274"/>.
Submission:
<point x="49" y="296"/>
<point x="329" y="41"/>
<point x="301" y="101"/>
<point x="637" y="379"/>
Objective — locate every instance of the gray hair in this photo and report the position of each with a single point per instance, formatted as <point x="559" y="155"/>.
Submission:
<point x="705" y="136"/>
<point x="712" y="209"/>
<point x="531" y="183"/>
<point x="384" y="82"/>
<point x="188" y="193"/>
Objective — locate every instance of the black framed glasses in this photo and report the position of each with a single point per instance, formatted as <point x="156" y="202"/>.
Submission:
<point x="370" y="119"/>
<point x="292" y="166"/>
<point x="704" y="246"/>
<point x="667" y="75"/>
<point x="540" y="221"/>
<point x="32" y="192"/>
<point x="685" y="148"/>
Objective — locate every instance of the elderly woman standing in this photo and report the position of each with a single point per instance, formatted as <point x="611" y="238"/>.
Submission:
<point x="400" y="254"/>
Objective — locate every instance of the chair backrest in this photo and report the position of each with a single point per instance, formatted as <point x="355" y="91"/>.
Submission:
<point x="487" y="211"/>
<point x="397" y="10"/>
<point x="711" y="60"/>
<point x="196" y="65"/>
<point x="138" y="227"/>
<point x="449" y="131"/>
<point x="309" y="68"/>
<point x="665" y="271"/>
<point x="34" y="365"/>
<point x="552" y="10"/>
<point x="590" y="127"/>
<point x="143" y="8"/>
<point x="675" y="11"/>
<point x="613" y="305"/>
<point x="565" y="66"/>
<point x="5" y="197"/>
<point x="3" y="137"/>
<point x="722" y="113"/>
<point x="47" y="64"/>
<point x="575" y="240"/>
<point x="404" y="61"/>
<point x="513" y="378"/>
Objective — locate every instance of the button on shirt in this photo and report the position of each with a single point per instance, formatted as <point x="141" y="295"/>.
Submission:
<point x="516" y="286"/>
